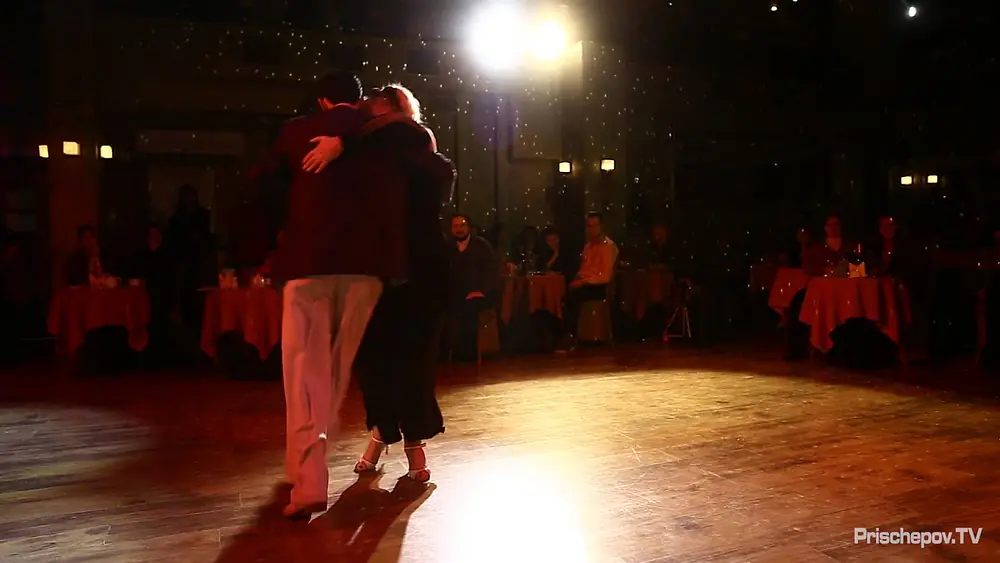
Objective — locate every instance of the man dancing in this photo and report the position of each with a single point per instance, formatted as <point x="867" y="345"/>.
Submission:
<point x="334" y="270"/>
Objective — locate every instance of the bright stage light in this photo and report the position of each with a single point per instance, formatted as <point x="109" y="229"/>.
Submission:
<point x="911" y="12"/>
<point x="495" y="37"/>
<point x="549" y="41"/>
<point x="503" y="36"/>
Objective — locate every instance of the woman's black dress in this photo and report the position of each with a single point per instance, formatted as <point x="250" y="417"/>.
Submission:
<point x="399" y="351"/>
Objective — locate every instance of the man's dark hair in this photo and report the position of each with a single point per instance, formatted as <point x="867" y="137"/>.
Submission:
<point x="82" y="230"/>
<point x="595" y="215"/>
<point x="340" y="88"/>
<point x="460" y="216"/>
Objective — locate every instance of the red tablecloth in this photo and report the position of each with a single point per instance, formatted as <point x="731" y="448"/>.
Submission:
<point x="638" y="289"/>
<point x="254" y="312"/>
<point x="521" y="294"/>
<point x="830" y="302"/>
<point x="76" y="310"/>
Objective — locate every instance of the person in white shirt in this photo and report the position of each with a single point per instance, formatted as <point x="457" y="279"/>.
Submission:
<point x="596" y="269"/>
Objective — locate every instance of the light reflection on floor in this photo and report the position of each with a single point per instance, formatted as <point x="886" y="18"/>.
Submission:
<point x="601" y="466"/>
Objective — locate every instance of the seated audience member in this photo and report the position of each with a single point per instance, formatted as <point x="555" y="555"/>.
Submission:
<point x="83" y="266"/>
<point x="524" y="247"/>
<point x="661" y="251"/>
<point x="818" y="259"/>
<point x="887" y="255"/>
<point x="552" y="258"/>
<point x="596" y="270"/>
<point x="821" y="258"/>
<point x="796" y="251"/>
<point x="474" y="278"/>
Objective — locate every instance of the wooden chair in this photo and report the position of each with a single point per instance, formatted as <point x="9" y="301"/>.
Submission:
<point x="594" y="323"/>
<point x="487" y="334"/>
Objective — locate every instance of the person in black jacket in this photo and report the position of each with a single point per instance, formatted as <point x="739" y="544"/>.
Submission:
<point x="474" y="277"/>
<point x="553" y="259"/>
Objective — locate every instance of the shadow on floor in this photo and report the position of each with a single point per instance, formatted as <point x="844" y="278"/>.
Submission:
<point x="349" y="532"/>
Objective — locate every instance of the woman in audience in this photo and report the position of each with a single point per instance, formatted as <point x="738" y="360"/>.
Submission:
<point x="553" y="259"/>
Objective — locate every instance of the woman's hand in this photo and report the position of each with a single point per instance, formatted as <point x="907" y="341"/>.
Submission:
<point x="327" y="150"/>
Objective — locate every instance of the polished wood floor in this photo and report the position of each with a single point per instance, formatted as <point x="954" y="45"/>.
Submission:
<point x="638" y="455"/>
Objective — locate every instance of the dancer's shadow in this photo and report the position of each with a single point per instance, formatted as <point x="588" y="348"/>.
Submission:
<point x="349" y="532"/>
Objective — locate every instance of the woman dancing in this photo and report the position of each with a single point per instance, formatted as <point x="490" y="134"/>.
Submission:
<point x="396" y="360"/>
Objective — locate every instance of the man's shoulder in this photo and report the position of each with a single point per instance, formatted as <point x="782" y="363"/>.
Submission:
<point x="481" y="241"/>
<point x="606" y="241"/>
<point x="339" y="118"/>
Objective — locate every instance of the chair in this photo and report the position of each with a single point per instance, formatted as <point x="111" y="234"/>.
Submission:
<point x="594" y="323"/>
<point x="487" y="334"/>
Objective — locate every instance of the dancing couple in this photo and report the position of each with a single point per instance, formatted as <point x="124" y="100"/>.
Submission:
<point x="365" y="261"/>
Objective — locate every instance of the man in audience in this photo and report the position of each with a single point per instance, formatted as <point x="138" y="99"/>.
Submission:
<point x="84" y="264"/>
<point x="474" y="277"/>
<point x="662" y="252"/>
<point x="596" y="269"/>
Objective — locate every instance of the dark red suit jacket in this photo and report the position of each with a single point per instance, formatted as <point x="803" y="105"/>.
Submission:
<point x="348" y="219"/>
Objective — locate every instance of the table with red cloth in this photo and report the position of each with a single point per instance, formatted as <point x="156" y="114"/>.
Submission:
<point x="526" y="294"/>
<point x="639" y="289"/>
<point x="787" y="283"/>
<point x="253" y="312"/>
<point x="830" y="302"/>
<point x="75" y="311"/>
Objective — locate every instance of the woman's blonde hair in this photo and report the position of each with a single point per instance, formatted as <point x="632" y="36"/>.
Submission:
<point x="403" y="99"/>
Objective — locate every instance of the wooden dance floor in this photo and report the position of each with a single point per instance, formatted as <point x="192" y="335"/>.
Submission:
<point x="637" y="456"/>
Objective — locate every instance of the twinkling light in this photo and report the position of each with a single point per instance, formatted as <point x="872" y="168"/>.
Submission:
<point x="624" y="110"/>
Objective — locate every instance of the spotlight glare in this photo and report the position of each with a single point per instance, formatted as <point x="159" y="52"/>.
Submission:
<point x="911" y="11"/>
<point x="549" y="41"/>
<point x="495" y="37"/>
